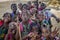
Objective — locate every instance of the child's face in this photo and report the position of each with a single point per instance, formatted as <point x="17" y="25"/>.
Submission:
<point x="20" y="5"/>
<point x="33" y="10"/>
<point x="25" y="7"/>
<point x="40" y="17"/>
<point x="19" y="15"/>
<point x="14" y="8"/>
<point x="25" y="17"/>
<point x="12" y="27"/>
<point x="7" y="18"/>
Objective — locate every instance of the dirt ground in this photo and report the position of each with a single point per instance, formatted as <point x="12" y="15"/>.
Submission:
<point x="5" y="7"/>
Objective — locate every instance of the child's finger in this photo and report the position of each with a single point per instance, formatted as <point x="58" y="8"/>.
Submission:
<point x="55" y="29"/>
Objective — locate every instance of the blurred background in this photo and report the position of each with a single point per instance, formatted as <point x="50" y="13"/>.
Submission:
<point x="53" y="4"/>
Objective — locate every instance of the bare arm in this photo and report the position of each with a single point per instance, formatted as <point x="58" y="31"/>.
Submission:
<point x="57" y="19"/>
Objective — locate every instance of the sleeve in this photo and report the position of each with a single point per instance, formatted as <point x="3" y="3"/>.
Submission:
<point x="49" y="13"/>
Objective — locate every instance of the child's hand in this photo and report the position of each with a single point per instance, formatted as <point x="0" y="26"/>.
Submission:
<point x="33" y="35"/>
<point x="45" y="32"/>
<point x="58" y="20"/>
<point x="9" y="31"/>
<point x="55" y="32"/>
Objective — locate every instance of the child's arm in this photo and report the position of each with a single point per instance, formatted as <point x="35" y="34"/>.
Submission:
<point x="17" y="34"/>
<point x="8" y="36"/>
<point x="57" y="19"/>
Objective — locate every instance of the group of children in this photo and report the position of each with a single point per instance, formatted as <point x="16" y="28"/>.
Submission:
<point x="29" y="22"/>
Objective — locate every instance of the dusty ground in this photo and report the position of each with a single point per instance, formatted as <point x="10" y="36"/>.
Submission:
<point x="5" y="7"/>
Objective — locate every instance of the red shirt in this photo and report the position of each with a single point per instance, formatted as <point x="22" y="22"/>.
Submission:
<point x="1" y="22"/>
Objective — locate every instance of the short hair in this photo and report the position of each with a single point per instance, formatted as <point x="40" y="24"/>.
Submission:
<point x="13" y="5"/>
<point x="43" y="4"/>
<point x="7" y="14"/>
<point x="24" y="5"/>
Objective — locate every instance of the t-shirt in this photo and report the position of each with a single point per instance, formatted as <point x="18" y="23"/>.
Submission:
<point x="25" y="29"/>
<point x="48" y="14"/>
<point x="1" y="23"/>
<point x="12" y="14"/>
<point x="3" y="32"/>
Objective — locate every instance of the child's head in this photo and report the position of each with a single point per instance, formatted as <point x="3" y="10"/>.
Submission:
<point x="14" y="7"/>
<point x="19" y="14"/>
<point x="33" y="10"/>
<point x="43" y="6"/>
<point x="7" y="17"/>
<point x="20" y="5"/>
<point x="25" y="6"/>
<point x="40" y="16"/>
<point x="34" y="27"/>
<point x="25" y="16"/>
<point x="12" y="27"/>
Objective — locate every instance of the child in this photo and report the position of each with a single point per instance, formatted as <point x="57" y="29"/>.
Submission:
<point x="19" y="11"/>
<point x="14" y="9"/>
<point x="4" y="27"/>
<point x="19" y="16"/>
<point x="33" y="13"/>
<point x="25" y="6"/>
<point x="48" y="14"/>
<point x="33" y="35"/>
<point x="13" y="32"/>
<point x="25" y="24"/>
<point x="20" y="7"/>
<point x="41" y="20"/>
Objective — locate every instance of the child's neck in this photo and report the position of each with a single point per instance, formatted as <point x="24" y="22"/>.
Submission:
<point x="14" y="12"/>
